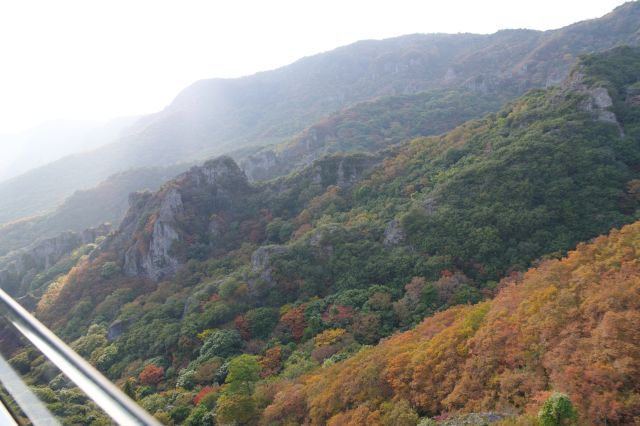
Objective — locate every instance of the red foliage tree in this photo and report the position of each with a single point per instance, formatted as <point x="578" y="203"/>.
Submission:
<point x="294" y="321"/>
<point x="151" y="375"/>
<point x="242" y="325"/>
<point x="204" y="392"/>
<point x="271" y="362"/>
<point x="338" y="314"/>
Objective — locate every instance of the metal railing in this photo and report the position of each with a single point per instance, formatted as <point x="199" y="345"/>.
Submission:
<point x="122" y="409"/>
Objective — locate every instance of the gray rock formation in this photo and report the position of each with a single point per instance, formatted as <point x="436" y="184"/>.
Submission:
<point x="91" y="234"/>
<point x="18" y="268"/>
<point x="598" y="100"/>
<point x="157" y="262"/>
<point x="261" y="263"/>
<point x="117" y="329"/>
<point x="151" y="228"/>
<point x="393" y="234"/>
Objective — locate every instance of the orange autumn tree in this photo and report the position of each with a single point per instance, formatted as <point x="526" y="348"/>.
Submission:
<point x="151" y="375"/>
<point x="294" y="321"/>
<point x="570" y="325"/>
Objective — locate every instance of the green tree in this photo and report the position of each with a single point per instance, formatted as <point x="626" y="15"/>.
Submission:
<point x="261" y="321"/>
<point x="222" y="343"/>
<point x="236" y="403"/>
<point x="243" y="373"/>
<point x="557" y="411"/>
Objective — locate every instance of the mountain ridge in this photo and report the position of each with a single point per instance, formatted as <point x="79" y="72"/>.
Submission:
<point x="271" y="106"/>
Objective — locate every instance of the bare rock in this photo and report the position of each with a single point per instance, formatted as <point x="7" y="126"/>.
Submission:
<point x="117" y="329"/>
<point x="91" y="234"/>
<point x="18" y="268"/>
<point x="598" y="100"/>
<point x="393" y="234"/>
<point x="261" y="261"/>
<point x="158" y="263"/>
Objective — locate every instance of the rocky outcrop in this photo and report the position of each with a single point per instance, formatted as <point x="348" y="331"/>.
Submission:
<point x="90" y="235"/>
<point x="302" y="151"/>
<point x="261" y="260"/>
<point x="118" y="328"/>
<point x="264" y="165"/>
<point x="157" y="262"/>
<point x="633" y="95"/>
<point x="597" y="100"/>
<point x="18" y="268"/>
<point x="153" y="226"/>
<point x="393" y="234"/>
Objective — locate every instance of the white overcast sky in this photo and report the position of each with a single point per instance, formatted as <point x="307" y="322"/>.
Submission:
<point x="85" y="59"/>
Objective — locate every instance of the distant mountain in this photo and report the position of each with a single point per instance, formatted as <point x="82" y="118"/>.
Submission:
<point x="216" y="116"/>
<point x="107" y="202"/>
<point x="50" y="141"/>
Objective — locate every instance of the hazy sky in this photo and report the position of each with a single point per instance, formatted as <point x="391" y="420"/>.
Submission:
<point x="90" y="59"/>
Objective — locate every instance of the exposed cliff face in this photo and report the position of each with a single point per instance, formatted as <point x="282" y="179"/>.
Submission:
<point x="312" y="144"/>
<point x="261" y="261"/>
<point x="18" y="268"/>
<point x="157" y="224"/>
<point x="156" y="261"/>
<point x="597" y="100"/>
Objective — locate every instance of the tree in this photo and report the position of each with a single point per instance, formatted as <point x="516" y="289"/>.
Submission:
<point x="151" y="375"/>
<point x="558" y="411"/>
<point x="261" y="321"/>
<point x="294" y="321"/>
<point x="235" y="403"/>
<point x="243" y="373"/>
<point x="235" y="409"/>
<point x="222" y="343"/>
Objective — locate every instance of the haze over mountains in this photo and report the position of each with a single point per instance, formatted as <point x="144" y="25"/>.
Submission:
<point x="359" y="254"/>
<point x="48" y="142"/>
<point x="216" y="116"/>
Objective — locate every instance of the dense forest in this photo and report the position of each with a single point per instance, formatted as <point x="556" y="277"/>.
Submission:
<point x="415" y="285"/>
<point x="567" y="326"/>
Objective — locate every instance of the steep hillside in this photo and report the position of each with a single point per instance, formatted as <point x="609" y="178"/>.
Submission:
<point x="107" y="202"/>
<point x="217" y="296"/>
<point x="568" y="325"/>
<point x="216" y="116"/>
<point x="221" y="297"/>
<point x="27" y="271"/>
<point x="374" y="125"/>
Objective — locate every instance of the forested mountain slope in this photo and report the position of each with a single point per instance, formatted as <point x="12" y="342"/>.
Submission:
<point x="216" y="116"/>
<point x="568" y="325"/>
<point x="374" y="125"/>
<point x="365" y="127"/>
<point x="215" y="291"/>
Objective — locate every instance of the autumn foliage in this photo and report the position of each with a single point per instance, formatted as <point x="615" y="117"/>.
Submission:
<point x="294" y="321"/>
<point x="204" y="392"/>
<point x="570" y="325"/>
<point x="151" y="375"/>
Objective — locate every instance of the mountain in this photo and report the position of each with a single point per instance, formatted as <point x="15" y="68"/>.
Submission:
<point x="260" y="300"/>
<point x="372" y="126"/>
<point x="51" y="141"/>
<point x="107" y="202"/>
<point x="568" y="325"/>
<point x="216" y="116"/>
